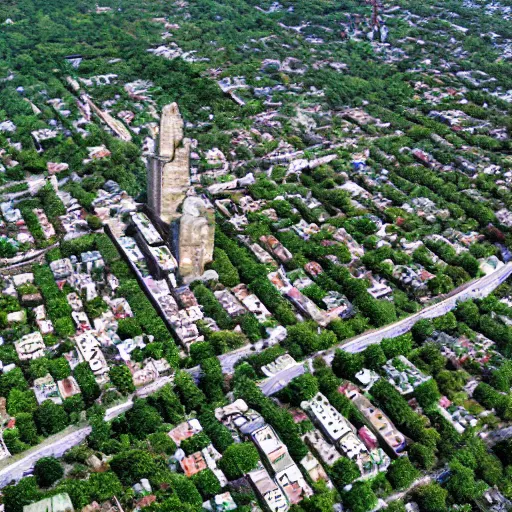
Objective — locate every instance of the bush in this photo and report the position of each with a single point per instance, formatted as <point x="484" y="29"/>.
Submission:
<point x="121" y="378"/>
<point x="228" y="274"/>
<point x="343" y="472"/>
<point x="128" y="328"/>
<point x="238" y="460"/>
<point x="207" y="483"/>
<point x="402" y="473"/>
<point x="195" y="443"/>
<point x="47" y="471"/>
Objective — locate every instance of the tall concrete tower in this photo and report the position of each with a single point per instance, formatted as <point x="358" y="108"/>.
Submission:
<point x="168" y="171"/>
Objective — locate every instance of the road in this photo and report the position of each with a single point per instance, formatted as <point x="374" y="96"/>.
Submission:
<point x="15" y="468"/>
<point x="475" y="289"/>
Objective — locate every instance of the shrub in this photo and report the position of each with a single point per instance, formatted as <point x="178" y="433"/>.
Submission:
<point x="47" y="471"/>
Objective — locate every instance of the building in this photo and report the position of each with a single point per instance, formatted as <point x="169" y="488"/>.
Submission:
<point x="31" y="346"/>
<point x="68" y="387"/>
<point x="185" y="430"/>
<point x="196" y="237"/>
<point x="168" y="171"/>
<point x="269" y="491"/>
<point x="404" y="375"/>
<point x="57" y="503"/>
<point x="273" y="448"/>
<point x="89" y="350"/>
<point x="45" y="388"/>
<point x="341" y="433"/>
<point x="380" y="424"/>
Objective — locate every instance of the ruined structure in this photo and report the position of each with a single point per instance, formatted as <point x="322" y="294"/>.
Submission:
<point x="168" y="172"/>
<point x="196" y="237"/>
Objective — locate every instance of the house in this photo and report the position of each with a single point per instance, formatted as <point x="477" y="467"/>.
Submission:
<point x="280" y="364"/>
<point x="221" y="503"/>
<point x="58" y="503"/>
<point x="404" y="375"/>
<point x="185" y="430"/>
<point x="230" y="303"/>
<point x="89" y="350"/>
<point x="341" y="433"/>
<point x="275" y="247"/>
<point x="293" y="484"/>
<point x="315" y="470"/>
<point x="268" y="490"/>
<point x="31" y="346"/>
<point x="251" y="302"/>
<point x="272" y="447"/>
<point x="45" y="388"/>
<point x="193" y="464"/>
<point x="239" y="418"/>
<point x="68" y="387"/>
<point x="326" y="451"/>
<point x="380" y="424"/>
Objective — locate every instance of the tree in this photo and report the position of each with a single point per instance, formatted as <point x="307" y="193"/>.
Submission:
<point x="87" y="382"/>
<point x="130" y="466"/>
<point x="402" y="473"/>
<point x="50" y="418"/>
<point x="427" y="394"/>
<point x="27" y="428"/>
<point x="195" y="443"/>
<point x="343" y="472"/>
<point x="121" y="378"/>
<point x="238" y="460"/>
<point x="401" y="345"/>
<point x="207" y="483"/>
<point x="374" y="357"/>
<point x="301" y="388"/>
<point x="59" y="368"/>
<point x="228" y="274"/>
<point x="160" y="442"/>
<point x="431" y="497"/>
<point x="128" y="328"/>
<point x="47" y="471"/>
<point x="143" y="419"/>
<point x="102" y="486"/>
<point x="15" y="497"/>
<point x="462" y="486"/>
<point x="94" y="222"/>
<point x="360" y="498"/>
<point x="423" y="456"/>
<point x="422" y="330"/>
<point x="21" y="401"/>
<point x="346" y="365"/>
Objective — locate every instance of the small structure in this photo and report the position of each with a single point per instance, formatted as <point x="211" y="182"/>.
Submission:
<point x="57" y="503"/>
<point x="45" y="388"/>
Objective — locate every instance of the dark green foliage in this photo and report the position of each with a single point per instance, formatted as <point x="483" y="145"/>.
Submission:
<point x="212" y="379"/>
<point x="21" y="494"/>
<point x="427" y="394"/>
<point x="343" y="472"/>
<point x="50" y="418"/>
<point x="238" y="460"/>
<point x="143" y="419"/>
<point x="128" y="328"/>
<point x="360" y="498"/>
<point x="160" y="442"/>
<point x="132" y="465"/>
<point x="87" y="382"/>
<point x="212" y="307"/>
<point x="190" y="395"/>
<point x="346" y="364"/>
<point x="195" y="443"/>
<point x="401" y="345"/>
<point x="423" y="456"/>
<point x="431" y="497"/>
<point x="207" y="483"/>
<point x="47" y="471"/>
<point x="301" y="388"/>
<point x="121" y="378"/>
<point x="167" y="404"/>
<point x="218" y="433"/>
<point x="228" y="274"/>
<point x="402" y="473"/>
